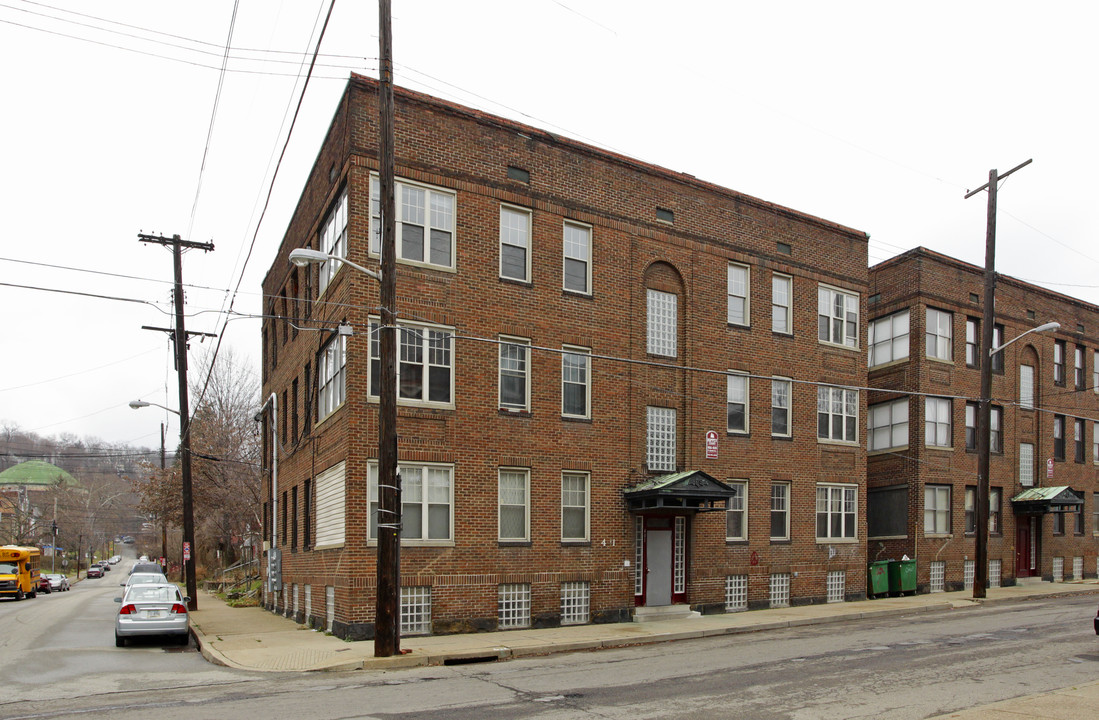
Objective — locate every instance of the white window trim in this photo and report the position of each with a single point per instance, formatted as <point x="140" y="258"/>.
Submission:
<point x="372" y="496"/>
<point x="789" y="383"/>
<point x="525" y="472"/>
<point x="330" y="507"/>
<point x="938" y="404"/>
<point x="375" y="324"/>
<point x="524" y="343"/>
<point x="893" y="425"/>
<point x="788" y="308"/>
<point x="843" y="417"/>
<point x="587" y="261"/>
<point x="933" y="354"/>
<point x="331" y="381"/>
<point x="329" y="243"/>
<point x="374" y="249"/>
<point x="746" y="296"/>
<point x="846" y="490"/>
<point x="786" y="512"/>
<point x="586" y="353"/>
<point x="937" y="491"/>
<point x="528" y="216"/>
<point x="587" y="505"/>
<point x="737" y="375"/>
<point x="873" y="329"/>
<point x="743" y="512"/>
<point x="850" y="343"/>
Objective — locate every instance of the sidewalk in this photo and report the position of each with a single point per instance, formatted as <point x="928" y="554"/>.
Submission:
<point x="259" y="640"/>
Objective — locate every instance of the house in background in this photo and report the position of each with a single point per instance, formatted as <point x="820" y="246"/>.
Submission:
<point x="924" y="335"/>
<point x="620" y="389"/>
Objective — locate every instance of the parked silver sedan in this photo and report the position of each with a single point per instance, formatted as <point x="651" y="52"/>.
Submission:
<point x="152" y="609"/>
<point x="58" y="582"/>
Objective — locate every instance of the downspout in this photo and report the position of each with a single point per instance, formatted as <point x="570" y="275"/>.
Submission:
<point x="274" y="403"/>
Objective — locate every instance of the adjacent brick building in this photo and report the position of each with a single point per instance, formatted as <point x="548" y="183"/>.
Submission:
<point x="925" y="314"/>
<point x="620" y="387"/>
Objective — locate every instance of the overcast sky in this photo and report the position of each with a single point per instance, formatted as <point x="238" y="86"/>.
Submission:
<point x="876" y="115"/>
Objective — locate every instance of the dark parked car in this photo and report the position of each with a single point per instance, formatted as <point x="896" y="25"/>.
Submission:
<point x="146" y="567"/>
<point x="1096" y="621"/>
<point x="95" y="571"/>
<point x="44" y="585"/>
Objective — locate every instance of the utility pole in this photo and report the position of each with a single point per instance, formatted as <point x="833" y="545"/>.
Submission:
<point x="180" y="339"/>
<point x="163" y="515"/>
<point x="387" y="614"/>
<point x="984" y="406"/>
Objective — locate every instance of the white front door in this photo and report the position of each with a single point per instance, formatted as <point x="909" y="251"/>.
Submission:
<point x="658" y="567"/>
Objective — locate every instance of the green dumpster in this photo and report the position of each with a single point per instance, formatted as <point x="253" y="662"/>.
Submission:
<point x="902" y="576"/>
<point x="877" y="577"/>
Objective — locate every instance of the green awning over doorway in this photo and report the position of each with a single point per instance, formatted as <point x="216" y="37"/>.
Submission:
<point x="1060" y="499"/>
<point x="691" y="490"/>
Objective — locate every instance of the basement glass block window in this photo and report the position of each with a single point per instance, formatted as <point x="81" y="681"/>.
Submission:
<point x="1058" y="569"/>
<point x="416" y="610"/>
<point x="575" y="603"/>
<point x="938" y="575"/>
<point x="995" y="572"/>
<point x="837" y="585"/>
<point x="736" y="593"/>
<point x="969" y="572"/>
<point x="513" y="605"/>
<point x="780" y="590"/>
<point x="329" y="607"/>
<point x="1077" y="568"/>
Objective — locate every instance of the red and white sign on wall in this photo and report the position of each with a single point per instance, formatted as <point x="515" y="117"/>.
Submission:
<point x="1049" y="469"/>
<point x="711" y="445"/>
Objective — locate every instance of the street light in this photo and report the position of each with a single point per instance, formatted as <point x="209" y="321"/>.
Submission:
<point x="984" y="454"/>
<point x="188" y="498"/>
<point x="387" y="626"/>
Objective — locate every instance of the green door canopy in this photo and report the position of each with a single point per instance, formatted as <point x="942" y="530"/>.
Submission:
<point x="691" y="490"/>
<point x="1038" y="501"/>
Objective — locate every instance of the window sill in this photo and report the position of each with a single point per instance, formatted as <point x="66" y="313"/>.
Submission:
<point x="780" y="541"/>
<point x="837" y="541"/>
<point x="509" y="412"/>
<point x="938" y="536"/>
<point x="838" y="346"/>
<point x="890" y="364"/>
<point x="514" y="543"/>
<point x="938" y="360"/>
<point x="742" y="542"/>
<point x="737" y="433"/>
<point x="570" y="418"/>
<point x="838" y="443"/>
<point x="783" y="438"/>
<point x="577" y="294"/>
<point x="887" y="451"/>
<point x="517" y="281"/>
<point x="576" y="543"/>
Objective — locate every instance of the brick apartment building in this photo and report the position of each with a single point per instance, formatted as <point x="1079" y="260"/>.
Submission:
<point x="575" y="325"/>
<point x="925" y="313"/>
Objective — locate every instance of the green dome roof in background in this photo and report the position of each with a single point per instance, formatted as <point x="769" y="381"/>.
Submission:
<point x="36" y="472"/>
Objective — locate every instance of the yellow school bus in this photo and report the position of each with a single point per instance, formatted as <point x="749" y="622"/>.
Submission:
<point x="19" y="571"/>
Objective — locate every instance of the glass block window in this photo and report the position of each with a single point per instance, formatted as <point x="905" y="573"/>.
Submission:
<point x="736" y="593"/>
<point x="969" y="573"/>
<point x="1026" y="386"/>
<point x="995" y="573"/>
<point x="1077" y="568"/>
<point x="679" y="584"/>
<point x="575" y="603"/>
<point x="1058" y="569"/>
<point x="329" y="607"/>
<point x="1026" y="464"/>
<point x="638" y="555"/>
<point x="416" y="610"/>
<point x="661" y="439"/>
<point x="837" y="585"/>
<point x="938" y="575"/>
<point x="663" y="321"/>
<point x="780" y="590"/>
<point x="513" y="605"/>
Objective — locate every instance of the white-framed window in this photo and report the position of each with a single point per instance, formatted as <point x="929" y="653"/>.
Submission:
<point x="888" y="338"/>
<point x="1095" y="443"/>
<point x="425" y="223"/>
<point x="330" y="507"/>
<point x="973" y="342"/>
<point x="736" y="593"/>
<point x="780" y="590"/>
<point x="1026" y="386"/>
<point x="1026" y="464"/>
<point x="514" y="243"/>
<point x="836" y="586"/>
<point x="780" y="511"/>
<point x="1078" y="367"/>
<point x="663" y="322"/>
<point x="1095" y="371"/>
<point x="575" y="512"/>
<point x="661" y="449"/>
<point x="513" y="605"/>
<point x="514" y="373"/>
<point x="938" y="419"/>
<point x="427" y="503"/>
<point x="736" y="513"/>
<point x="887" y="425"/>
<point x="577" y="253"/>
<point x="936" y="509"/>
<point x="940" y="335"/>
<point x="331" y="376"/>
<point x="782" y="301"/>
<point x="736" y="402"/>
<point x="739" y="289"/>
<point x="837" y="414"/>
<point x="1059" y="362"/>
<point x="425" y="364"/>
<point x="575" y="382"/>
<point x="837" y="317"/>
<point x="333" y="240"/>
<point x="416" y="610"/>
<point x="836" y="512"/>
<point x="575" y="602"/>
<point x="514" y="504"/>
<point x="781" y="389"/>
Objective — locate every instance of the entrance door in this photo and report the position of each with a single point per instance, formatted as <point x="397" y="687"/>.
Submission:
<point x="1026" y="546"/>
<point x="658" y="567"/>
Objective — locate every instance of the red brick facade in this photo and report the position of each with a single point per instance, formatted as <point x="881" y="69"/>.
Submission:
<point x="648" y="229"/>
<point x="1021" y="545"/>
